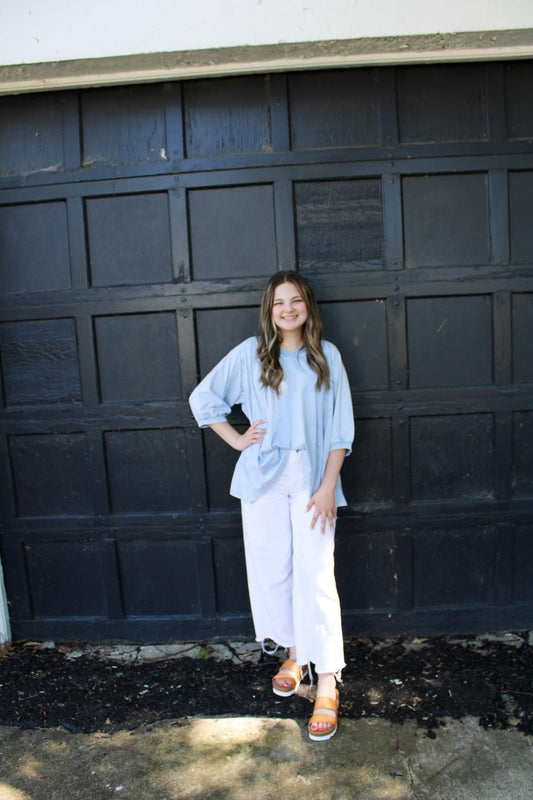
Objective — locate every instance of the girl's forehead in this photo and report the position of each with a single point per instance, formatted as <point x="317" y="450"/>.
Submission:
<point x="285" y="291"/>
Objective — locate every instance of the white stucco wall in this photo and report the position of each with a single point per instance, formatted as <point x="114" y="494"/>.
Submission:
<point x="36" y="31"/>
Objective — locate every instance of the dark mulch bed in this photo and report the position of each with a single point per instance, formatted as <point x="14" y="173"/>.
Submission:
<point x="425" y="680"/>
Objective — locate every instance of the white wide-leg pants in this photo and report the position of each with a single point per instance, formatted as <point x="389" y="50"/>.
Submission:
<point x="290" y="568"/>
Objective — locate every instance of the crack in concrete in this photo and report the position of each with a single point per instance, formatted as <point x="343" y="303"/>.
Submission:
<point x="409" y="769"/>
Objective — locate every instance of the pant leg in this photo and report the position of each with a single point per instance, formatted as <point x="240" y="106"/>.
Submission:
<point x="290" y="568"/>
<point x="268" y="550"/>
<point x="316" y="606"/>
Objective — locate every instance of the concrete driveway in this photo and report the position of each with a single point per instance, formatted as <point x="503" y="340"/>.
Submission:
<point x="238" y="758"/>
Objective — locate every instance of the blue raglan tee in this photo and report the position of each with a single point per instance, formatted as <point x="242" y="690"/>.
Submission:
<point x="300" y="417"/>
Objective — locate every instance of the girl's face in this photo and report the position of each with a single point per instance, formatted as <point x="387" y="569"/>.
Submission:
<point x="289" y="309"/>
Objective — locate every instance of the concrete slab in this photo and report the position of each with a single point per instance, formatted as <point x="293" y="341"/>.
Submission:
<point x="466" y="762"/>
<point x="236" y="652"/>
<point x="266" y="759"/>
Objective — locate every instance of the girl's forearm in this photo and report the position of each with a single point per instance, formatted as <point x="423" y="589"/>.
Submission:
<point x="227" y="432"/>
<point x="333" y="468"/>
<point x="240" y="441"/>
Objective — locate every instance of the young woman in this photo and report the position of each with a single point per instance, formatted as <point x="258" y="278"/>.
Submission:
<point x="293" y="389"/>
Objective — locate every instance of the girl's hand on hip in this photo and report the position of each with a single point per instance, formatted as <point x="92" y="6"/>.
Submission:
<point x="254" y="435"/>
<point x="325" y="509"/>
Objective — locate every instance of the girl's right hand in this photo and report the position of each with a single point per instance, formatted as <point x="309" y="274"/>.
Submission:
<point x="254" y="435"/>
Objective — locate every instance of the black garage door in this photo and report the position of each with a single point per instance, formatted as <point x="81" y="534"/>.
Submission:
<point x="137" y="227"/>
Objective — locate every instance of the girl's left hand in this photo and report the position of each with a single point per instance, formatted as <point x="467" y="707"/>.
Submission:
<point x="325" y="509"/>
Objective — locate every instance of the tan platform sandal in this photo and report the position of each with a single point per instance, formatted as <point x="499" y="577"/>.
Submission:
<point x="289" y="671"/>
<point x="325" y="710"/>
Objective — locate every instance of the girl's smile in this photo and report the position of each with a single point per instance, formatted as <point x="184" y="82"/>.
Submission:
<point x="289" y="309"/>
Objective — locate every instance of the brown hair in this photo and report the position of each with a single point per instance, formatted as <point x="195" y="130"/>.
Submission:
<point x="268" y="348"/>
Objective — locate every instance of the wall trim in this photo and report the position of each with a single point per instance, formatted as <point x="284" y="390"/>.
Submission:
<point x="157" y="67"/>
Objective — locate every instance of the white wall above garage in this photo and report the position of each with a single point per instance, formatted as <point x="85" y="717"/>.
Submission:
<point x="37" y="31"/>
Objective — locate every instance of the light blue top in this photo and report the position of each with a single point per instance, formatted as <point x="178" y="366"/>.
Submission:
<point x="300" y="417"/>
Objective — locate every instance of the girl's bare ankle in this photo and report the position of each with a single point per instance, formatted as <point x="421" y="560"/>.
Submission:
<point x="327" y="683"/>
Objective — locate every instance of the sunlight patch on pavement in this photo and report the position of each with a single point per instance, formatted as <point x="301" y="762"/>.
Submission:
<point x="233" y="730"/>
<point x="31" y="768"/>
<point x="10" y="793"/>
<point x="242" y="757"/>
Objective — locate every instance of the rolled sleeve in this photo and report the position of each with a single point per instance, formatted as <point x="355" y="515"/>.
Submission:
<point x="211" y="401"/>
<point x="342" y="428"/>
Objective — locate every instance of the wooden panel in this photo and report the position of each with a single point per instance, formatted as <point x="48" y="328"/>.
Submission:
<point x="241" y="240"/>
<point x="31" y="134"/>
<point x="359" y="331"/>
<point x="522" y="478"/>
<point x="40" y="362"/>
<point x="231" y="586"/>
<point x="334" y="109"/>
<point x="220" y="462"/>
<point x="522" y="338"/>
<point x="123" y="125"/>
<point x="523" y="578"/>
<point x="66" y="579"/>
<point x="159" y="577"/>
<point x="229" y="115"/>
<point x="339" y="225"/>
<point x="367" y="473"/>
<point x="147" y="471"/>
<point x="365" y="566"/>
<point x="519" y="109"/>
<point x="440" y="577"/>
<point x="435" y="210"/>
<point x="449" y="341"/>
<point x="138" y="357"/>
<point x="445" y="103"/>
<point x="34" y="247"/>
<point x="52" y="474"/>
<point x="452" y="457"/>
<point x="219" y="330"/>
<point x="129" y="239"/>
<point x="521" y="213"/>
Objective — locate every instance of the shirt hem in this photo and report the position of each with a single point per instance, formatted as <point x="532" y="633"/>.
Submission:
<point x="341" y="446"/>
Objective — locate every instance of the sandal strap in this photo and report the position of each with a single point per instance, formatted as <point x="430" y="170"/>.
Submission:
<point x="289" y="669"/>
<point x="325" y="712"/>
<point x="323" y="703"/>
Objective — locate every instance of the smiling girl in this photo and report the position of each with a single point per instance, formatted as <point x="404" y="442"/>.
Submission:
<point x="293" y="389"/>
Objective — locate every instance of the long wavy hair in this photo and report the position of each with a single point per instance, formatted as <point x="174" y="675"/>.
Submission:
<point x="268" y="347"/>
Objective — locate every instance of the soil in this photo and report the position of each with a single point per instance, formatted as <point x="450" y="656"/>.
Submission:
<point x="428" y="680"/>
